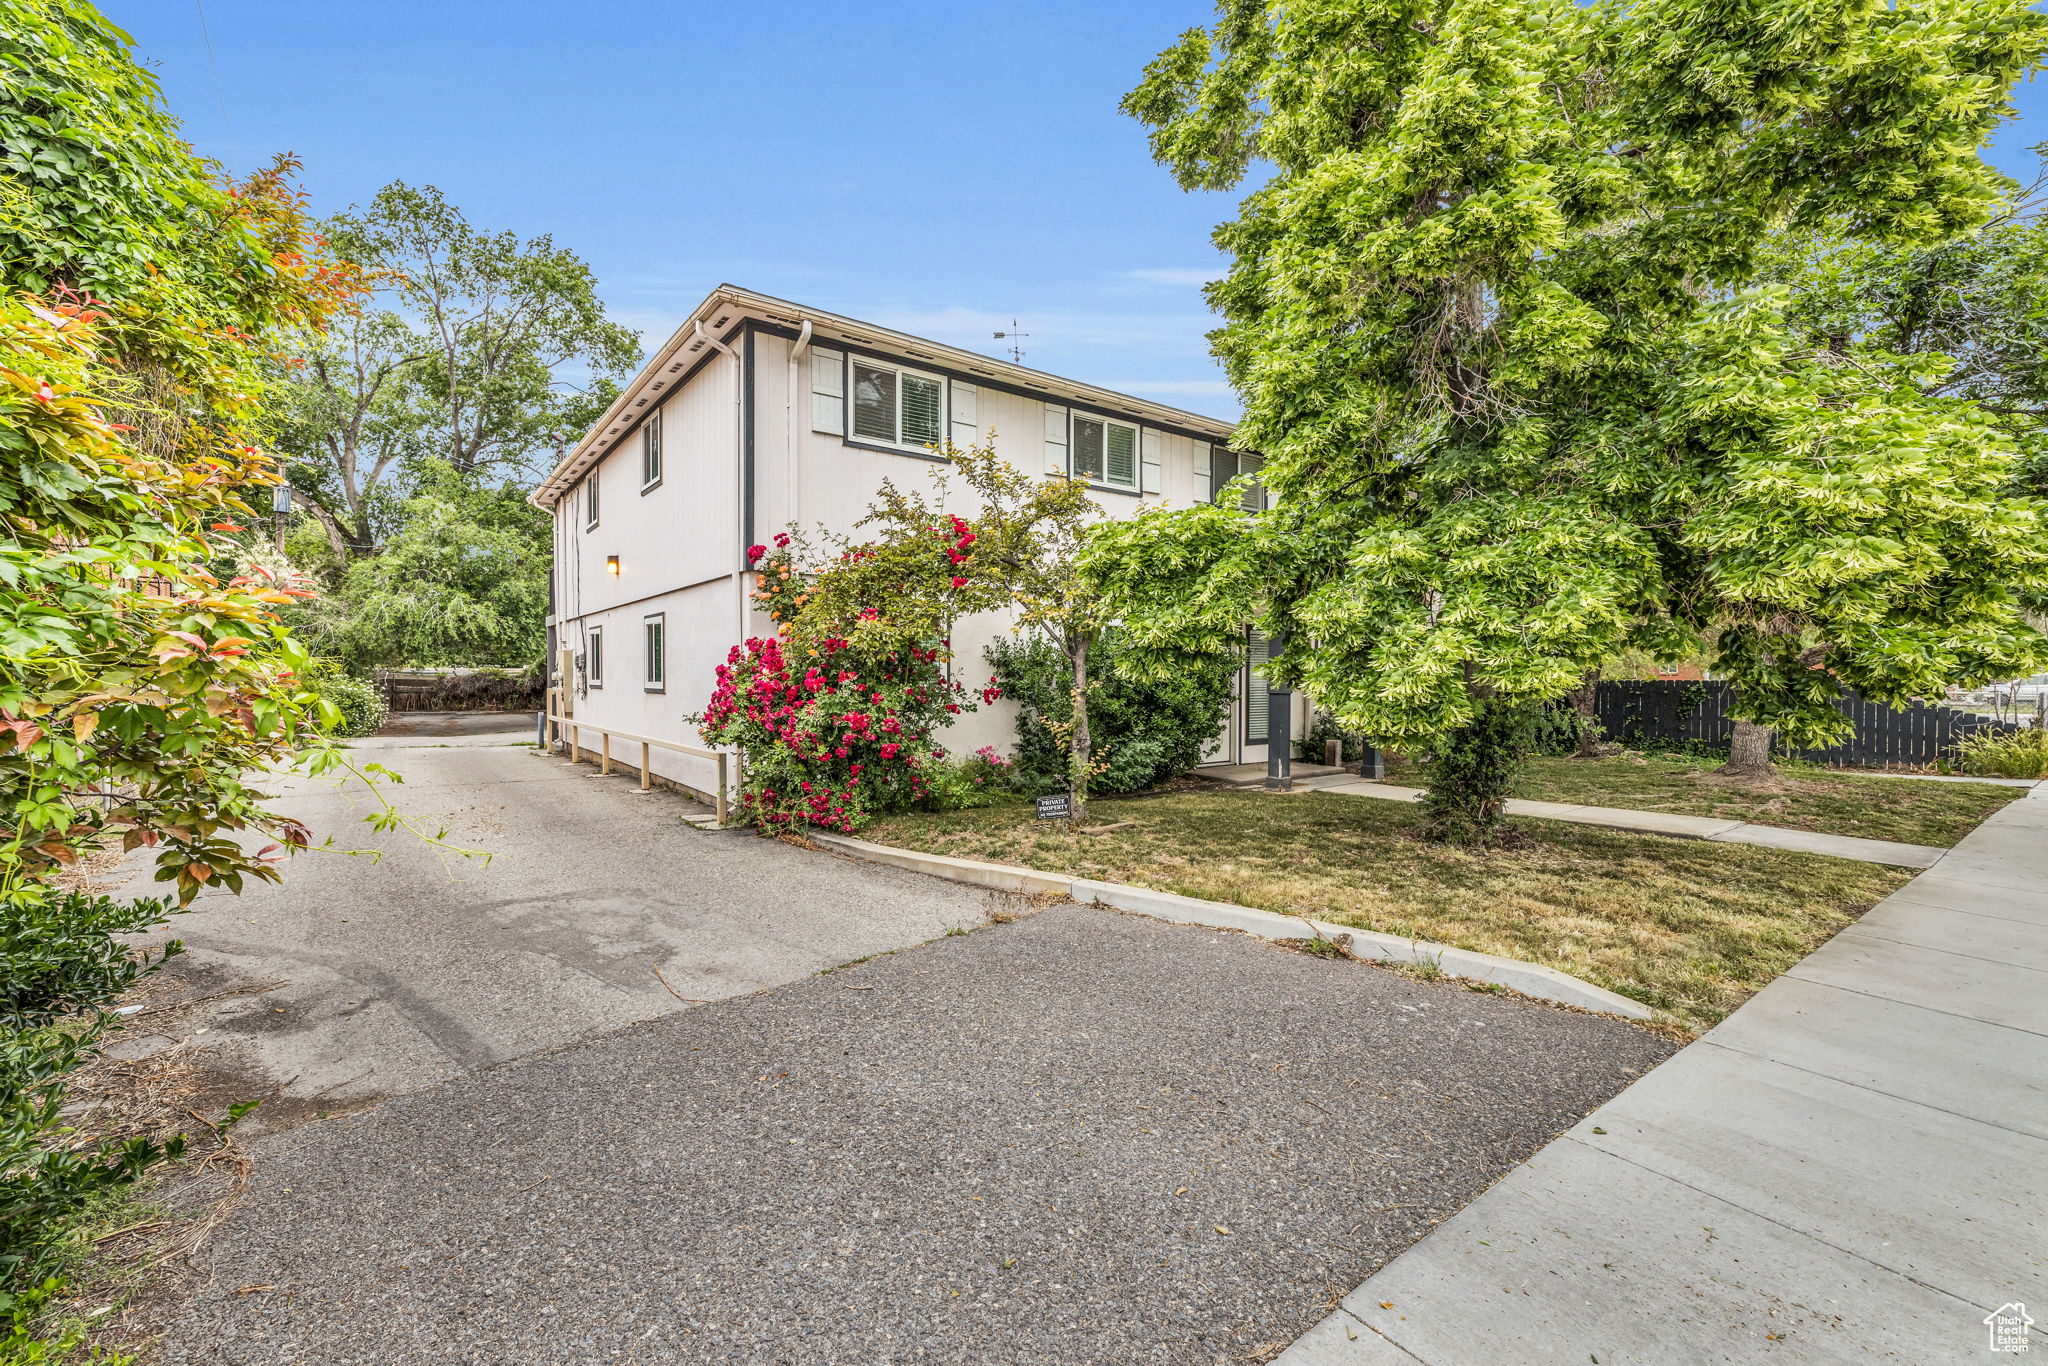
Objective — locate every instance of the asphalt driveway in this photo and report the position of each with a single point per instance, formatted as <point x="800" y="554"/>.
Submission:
<point x="366" y="977"/>
<point x="1077" y="1137"/>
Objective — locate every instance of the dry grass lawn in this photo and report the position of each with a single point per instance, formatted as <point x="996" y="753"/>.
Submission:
<point x="1688" y="926"/>
<point x="1805" y="797"/>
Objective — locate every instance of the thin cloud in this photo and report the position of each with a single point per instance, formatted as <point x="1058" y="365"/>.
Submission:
<point x="1180" y="278"/>
<point x="1187" y="388"/>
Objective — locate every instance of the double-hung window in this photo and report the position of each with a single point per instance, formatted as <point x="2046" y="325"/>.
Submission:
<point x="1225" y="466"/>
<point x="655" y="628"/>
<point x="650" y="450"/>
<point x="1105" y="452"/>
<point x="897" y="407"/>
<point x="593" y="656"/>
<point x="590" y="499"/>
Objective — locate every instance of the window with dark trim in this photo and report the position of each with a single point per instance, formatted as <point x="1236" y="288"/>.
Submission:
<point x="593" y="656"/>
<point x="1104" y="451"/>
<point x="897" y="407"/>
<point x="655" y="629"/>
<point x="590" y="500"/>
<point x="1257" y="707"/>
<point x="1225" y="466"/>
<point x="650" y="451"/>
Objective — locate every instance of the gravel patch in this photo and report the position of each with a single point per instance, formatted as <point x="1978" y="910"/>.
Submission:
<point x="1078" y="1137"/>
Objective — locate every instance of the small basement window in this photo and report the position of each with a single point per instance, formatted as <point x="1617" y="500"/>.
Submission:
<point x="897" y="407"/>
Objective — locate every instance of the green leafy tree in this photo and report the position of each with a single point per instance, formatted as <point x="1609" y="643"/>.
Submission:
<point x="462" y="582"/>
<point x="479" y="348"/>
<point x="1495" y="316"/>
<point x="143" y="298"/>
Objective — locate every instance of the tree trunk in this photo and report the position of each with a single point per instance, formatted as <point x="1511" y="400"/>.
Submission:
<point x="1473" y="771"/>
<point x="1077" y="780"/>
<point x="1583" y="699"/>
<point x="1749" y="752"/>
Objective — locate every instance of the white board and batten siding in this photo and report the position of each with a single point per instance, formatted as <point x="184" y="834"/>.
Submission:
<point x="678" y="540"/>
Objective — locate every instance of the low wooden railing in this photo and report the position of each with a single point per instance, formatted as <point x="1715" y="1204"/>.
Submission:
<point x="570" y="729"/>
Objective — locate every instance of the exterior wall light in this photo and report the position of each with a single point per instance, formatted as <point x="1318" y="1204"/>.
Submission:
<point x="611" y="564"/>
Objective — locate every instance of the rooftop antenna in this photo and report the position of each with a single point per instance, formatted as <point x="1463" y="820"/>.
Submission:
<point x="1016" y="351"/>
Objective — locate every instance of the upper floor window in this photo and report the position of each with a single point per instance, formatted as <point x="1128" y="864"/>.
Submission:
<point x="1105" y="452"/>
<point x="650" y="450"/>
<point x="1097" y="449"/>
<point x="590" y="499"/>
<point x="896" y="406"/>
<point x="1225" y="466"/>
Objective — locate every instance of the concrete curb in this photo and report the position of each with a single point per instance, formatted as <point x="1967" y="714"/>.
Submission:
<point x="1000" y="876"/>
<point x="1530" y="979"/>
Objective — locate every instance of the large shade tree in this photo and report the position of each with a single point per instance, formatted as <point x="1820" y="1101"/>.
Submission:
<point x="476" y="351"/>
<point x="1495" y="316"/>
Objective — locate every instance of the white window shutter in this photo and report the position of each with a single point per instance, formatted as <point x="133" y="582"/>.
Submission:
<point x="828" y="391"/>
<point x="1151" y="447"/>
<point x="1056" y="437"/>
<point x="966" y="429"/>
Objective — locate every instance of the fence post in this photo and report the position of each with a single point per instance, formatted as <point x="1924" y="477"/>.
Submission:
<point x="605" y="768"/>
<point x="721" y="787"/>
<point x="575" y="743"/>
<point x="646" y="774"/>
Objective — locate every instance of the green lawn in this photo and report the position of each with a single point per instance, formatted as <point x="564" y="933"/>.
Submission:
<point x="1689" y="926"/>
<point x="1808" y="797"/>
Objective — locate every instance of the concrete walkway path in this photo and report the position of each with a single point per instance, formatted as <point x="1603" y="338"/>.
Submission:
<point x="1851" y="1168"/>
<point x="1671" y="823"/>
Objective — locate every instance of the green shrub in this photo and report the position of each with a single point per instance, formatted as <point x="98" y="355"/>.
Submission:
<point x="61" y="966"/>
<point x="964" y="786"/>
<point x="360" y="702"/>
<point x="2005" y="754"/>
<point x="1309" y="745"/>
<point x="1144" y="731"/>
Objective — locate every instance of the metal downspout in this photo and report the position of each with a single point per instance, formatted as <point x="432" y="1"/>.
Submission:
<point x="796" y="355"/>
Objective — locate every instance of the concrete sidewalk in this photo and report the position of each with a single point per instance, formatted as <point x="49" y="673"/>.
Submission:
<point x="1850" y="1168"/>
<point x="1671" y="823"/>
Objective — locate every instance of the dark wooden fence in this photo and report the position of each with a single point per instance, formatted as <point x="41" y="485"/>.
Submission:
<point x="460" y="689"/>
<point x="1668" y="714"/>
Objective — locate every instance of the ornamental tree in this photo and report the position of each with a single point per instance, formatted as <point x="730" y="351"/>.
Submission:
<point x="1496" y="318"/>
<point x="1027" y="536"/>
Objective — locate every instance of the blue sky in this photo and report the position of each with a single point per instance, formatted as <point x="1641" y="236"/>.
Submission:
<point x="942" y="171"/>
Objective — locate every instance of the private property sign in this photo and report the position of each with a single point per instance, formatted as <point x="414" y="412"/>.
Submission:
<point x="1056" y="808"/>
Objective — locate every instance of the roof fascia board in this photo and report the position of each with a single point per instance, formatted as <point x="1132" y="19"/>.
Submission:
<point x="782" y="318"/>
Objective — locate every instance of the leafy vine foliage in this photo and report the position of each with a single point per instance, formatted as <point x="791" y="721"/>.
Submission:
<point x="1528" y="396"/>
<point x="142" y="295"/>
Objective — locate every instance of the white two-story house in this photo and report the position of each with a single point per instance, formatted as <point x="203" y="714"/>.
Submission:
<point x="759" y="413"/>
